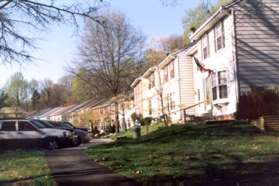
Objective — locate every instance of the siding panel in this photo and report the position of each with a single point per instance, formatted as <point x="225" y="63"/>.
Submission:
<point x="257" y="41"/>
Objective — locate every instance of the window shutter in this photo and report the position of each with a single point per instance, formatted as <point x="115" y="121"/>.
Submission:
<point x="223" y="34"/>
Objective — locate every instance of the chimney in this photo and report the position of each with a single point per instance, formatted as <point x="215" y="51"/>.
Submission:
<point x="192" y="31"/>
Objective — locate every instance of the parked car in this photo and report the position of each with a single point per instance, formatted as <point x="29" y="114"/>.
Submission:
<point x="22" y="133"/>
<point x="50" y="129"/>
<point x="83" y="135"/>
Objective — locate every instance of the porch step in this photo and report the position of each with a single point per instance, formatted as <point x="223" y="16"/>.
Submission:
<point x="271" y="123"/>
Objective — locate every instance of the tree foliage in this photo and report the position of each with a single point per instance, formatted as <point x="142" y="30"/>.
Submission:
<point x="81" y="90"/>
<point x="3" y="99"/>
<point x="34" y="95"/>
<point x="163" y="46"/>
<point x="17" y="89"/>
<point x="196" y="16"/>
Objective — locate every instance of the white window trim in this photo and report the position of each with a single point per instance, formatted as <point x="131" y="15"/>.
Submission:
<point x="206" y="36"/>
<point x="220" y="100"/>
<point x="222" y="35"/>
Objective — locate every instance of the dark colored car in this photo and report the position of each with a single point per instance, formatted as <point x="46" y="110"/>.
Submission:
<point x="22" y="133"/>
<point x="83" y="135"/>
<point x="47" y="126"/>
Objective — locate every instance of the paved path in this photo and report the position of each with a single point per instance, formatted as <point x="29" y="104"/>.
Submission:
<point x="73" y="167"/>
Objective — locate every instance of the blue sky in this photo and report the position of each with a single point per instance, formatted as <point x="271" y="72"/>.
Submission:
<point x="57" y="47"/>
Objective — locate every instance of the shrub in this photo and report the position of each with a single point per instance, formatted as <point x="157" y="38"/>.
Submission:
<point x="135" y="116"/>
<point x="146" y="121"/>
<point x="258" y="102"/>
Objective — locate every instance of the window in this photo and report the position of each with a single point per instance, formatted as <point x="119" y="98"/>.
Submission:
<point x="150" y="107"/>
<point x="8" y="126"/>
<point x="223" y="88"/>
<point x="166" y="74"/>
<point x="25" y="126"/>
<point x="219" y="36"/>
<point x="152" y="81"/>
<point x="219" y="85"/>
<point x="172" y="101"/>
<point x="171" y="66"/>
<point x="205" y="46"/>
<point x="199" y="95"/>
<point x="208" y="90"/>
<point x="214" y="87"/>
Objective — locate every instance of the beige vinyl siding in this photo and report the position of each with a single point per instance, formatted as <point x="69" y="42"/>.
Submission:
<point x="257" y="42"/>
<point x="187" y="95"/>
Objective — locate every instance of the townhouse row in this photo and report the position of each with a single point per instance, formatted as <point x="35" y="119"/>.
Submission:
<point x="100" y="113"/>
<point x="235" y="50"/>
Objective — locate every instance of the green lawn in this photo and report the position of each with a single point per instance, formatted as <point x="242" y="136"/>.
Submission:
<point x="144" y="131"/>
<point x="17" y="165"/>
<point x="190" y="151"/>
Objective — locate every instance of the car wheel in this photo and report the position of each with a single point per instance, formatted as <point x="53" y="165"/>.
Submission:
<point x="52" y="144"/>
<point x="79" y="141"/>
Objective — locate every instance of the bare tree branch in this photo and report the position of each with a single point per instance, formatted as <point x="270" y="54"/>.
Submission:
<point x="17" y="15"/>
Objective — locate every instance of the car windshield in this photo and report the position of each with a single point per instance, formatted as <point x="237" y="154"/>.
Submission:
<point x="68" y="125"/>
<point x="59" y="125"/>
<point x="41" y="124"/>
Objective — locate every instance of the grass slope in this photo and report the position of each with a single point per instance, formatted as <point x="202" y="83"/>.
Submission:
<point x="18" y="165"/>
<point x="190" y="151"/>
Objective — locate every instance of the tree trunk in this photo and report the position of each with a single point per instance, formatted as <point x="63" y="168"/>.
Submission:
<point x="123" y="118"/>
<point x="162" y="110"/>
<point x="116" y="117"/>
<point x="160" y="91"/>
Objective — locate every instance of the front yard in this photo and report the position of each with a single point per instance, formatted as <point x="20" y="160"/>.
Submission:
<point x="21" y="165"/>
<point x="194" y="152"/>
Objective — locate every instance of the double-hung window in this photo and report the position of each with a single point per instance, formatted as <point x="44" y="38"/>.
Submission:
<point x="171" y="66"/>
<point x="166" y="74"/>
<point x="220" y="85"/>
<point x="219" y="36"/>
<point x="172" y="101"/>
<point x="152" y="81"/>
<point x="150" y="107"/>
<point x="205" y="46"/>
<point x="223" y="87"/>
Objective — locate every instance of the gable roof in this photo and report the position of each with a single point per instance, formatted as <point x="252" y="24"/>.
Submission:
<point x="48" y="113"/>
<point x="78" y="107"/>
<point x="61" y="111"/>
<point x="36" y="114"/>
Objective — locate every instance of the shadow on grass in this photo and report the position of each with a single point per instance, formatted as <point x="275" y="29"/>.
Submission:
<point x="210" y="154"/>
<point x="167" y="134"/>
<point x="35" y="180"/>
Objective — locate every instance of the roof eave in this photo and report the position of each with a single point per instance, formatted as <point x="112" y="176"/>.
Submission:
<point x="222" y="12"/>
<point x="136" y="82"/>
<point x="149" y="71"/>
<point x="167" y="60"/>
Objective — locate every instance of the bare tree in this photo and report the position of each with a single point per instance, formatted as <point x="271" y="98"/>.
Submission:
<point x="160" y="92"/>
<point x="18" y="17"/>
<point x="110" y="54"/>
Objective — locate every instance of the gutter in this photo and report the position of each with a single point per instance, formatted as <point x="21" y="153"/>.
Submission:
<point x="223" y="11"/>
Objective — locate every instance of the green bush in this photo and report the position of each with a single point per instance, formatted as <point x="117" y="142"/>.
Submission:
<point x="146" y="121"/>
<point x="135" y="116"/>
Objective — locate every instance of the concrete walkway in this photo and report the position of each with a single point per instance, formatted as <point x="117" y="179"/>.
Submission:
<point x="73" y="167"/>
